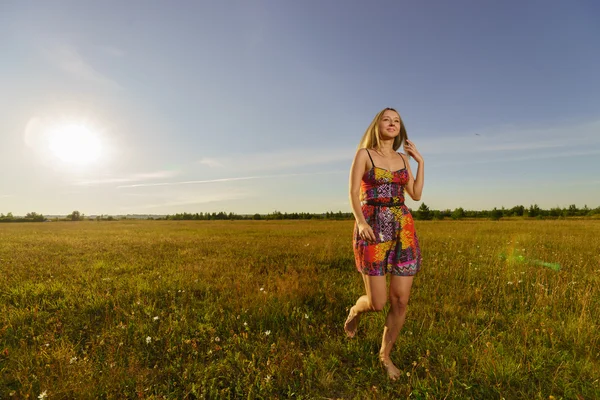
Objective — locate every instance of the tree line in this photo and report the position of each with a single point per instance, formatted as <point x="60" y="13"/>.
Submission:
<point x="422" y="213"/>
<point x="275" y="215"/>
<point x="533" y="211"/>
<point x="36" y="217"/>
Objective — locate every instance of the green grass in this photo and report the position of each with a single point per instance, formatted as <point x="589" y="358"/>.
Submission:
<point x="254" y="309"/>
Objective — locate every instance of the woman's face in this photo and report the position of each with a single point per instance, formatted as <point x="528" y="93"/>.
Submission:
<point x="389" y="126"/>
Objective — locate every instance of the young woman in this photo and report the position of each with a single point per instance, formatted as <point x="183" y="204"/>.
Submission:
<point x="384" y="235"/>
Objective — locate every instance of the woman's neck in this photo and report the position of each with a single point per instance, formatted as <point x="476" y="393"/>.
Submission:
<point x="386" y="148"/>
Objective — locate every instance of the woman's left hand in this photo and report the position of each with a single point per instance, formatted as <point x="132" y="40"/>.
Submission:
<point x="411" y="150"/>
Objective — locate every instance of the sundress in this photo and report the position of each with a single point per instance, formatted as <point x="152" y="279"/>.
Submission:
<point x="396" y="249"/>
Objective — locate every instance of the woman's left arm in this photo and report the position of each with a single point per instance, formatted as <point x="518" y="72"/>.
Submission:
<point x="414" y="187"/>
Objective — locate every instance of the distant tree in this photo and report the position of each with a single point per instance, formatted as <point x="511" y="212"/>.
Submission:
<point x="517" y="211"/>
<point x="275" y="215"/>
<point x="534" y="211"/>
<point x="423" y="212"/>
<point x="555" y="212"/>
<point x="458" y="213"/>
<point x="75" y="216"/>
<point x="585" y="210"/>
<point x="571" y="211"/>
<point x="35" y="217"/>
<point x="446" y="213"/>
<point x="495" y="214"/>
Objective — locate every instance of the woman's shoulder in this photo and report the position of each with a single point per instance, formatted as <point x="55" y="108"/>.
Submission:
<point x="362" y="152"/>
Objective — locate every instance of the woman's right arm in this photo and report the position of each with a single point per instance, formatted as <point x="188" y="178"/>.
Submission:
<point x="358" y="169"/>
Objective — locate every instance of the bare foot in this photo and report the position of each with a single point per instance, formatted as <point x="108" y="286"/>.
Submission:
<point x="392" y="371"/>
<point x="351" y="323"/>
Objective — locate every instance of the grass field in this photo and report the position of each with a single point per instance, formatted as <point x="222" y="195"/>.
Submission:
<point x="254" y="309"/>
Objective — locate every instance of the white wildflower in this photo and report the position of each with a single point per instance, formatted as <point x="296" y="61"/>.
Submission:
<point x="43" y="395"/>
<point x="267" y="333"/>
<point x="155" y="318"/>
<point x="148" y="339"/>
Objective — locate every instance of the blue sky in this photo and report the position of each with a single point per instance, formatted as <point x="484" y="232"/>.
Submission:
<point x="256" y="106"/>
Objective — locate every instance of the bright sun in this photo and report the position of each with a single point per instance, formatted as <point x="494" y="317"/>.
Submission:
<point x="75" y="144"/>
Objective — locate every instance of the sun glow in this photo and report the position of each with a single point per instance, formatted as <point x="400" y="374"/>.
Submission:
<point x="75" y="144"/>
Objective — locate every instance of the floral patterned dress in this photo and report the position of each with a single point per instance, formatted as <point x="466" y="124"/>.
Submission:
<point x="396" y="249"/>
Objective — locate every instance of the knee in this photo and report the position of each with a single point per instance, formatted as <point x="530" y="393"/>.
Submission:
<point x="377" y="305"/>
<point x="399" y="303"/>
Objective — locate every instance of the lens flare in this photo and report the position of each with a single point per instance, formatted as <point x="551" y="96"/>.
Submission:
<point x="74" y="144"/>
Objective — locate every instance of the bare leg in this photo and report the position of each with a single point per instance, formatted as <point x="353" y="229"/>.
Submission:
<point x="399" y="293"/>
<point x="374" y="300"/>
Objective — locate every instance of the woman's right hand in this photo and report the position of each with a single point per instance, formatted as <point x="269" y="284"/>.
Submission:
<point x="365" y="232"/>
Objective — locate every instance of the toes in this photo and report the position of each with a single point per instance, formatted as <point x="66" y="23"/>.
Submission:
<point x="392" y="371"/>
<point x="350" y="332"/>
<point x="351" y="324"/>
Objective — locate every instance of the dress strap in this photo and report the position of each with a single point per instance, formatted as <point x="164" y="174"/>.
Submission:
<point x="403" y="160"/>
<point x="372" y="163"/>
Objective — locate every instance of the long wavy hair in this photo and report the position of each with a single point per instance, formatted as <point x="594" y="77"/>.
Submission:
<point x="371" y="139"/>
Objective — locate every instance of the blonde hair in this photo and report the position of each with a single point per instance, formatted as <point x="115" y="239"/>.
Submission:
<point x="371" y="140"/>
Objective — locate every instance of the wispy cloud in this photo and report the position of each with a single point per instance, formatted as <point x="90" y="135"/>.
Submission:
<point x="511" y="138"/>
<point x="520" y="157"/>
<point x="69" y="59"/>
<point x="281" y="159"/>
<point x="241" y="178"/>
<point x="3" y="196"/>
<point x="193" y="199"/>
<point x="130" y="178"/>
<point x="522" y="143"/>
<point x="211" y="162"/>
